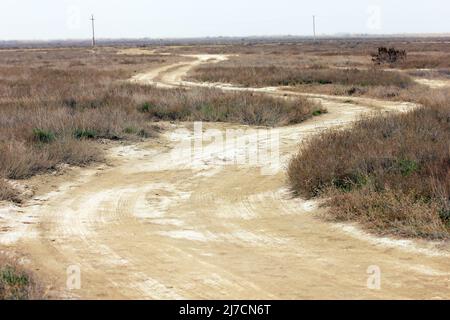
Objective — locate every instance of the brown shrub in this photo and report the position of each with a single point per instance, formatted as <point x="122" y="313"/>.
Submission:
<point x="389" y="56"/>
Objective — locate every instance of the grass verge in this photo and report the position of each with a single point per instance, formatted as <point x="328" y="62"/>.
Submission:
<point x="400" y="184"/>
<point x="261" y="76"/>
<point x="218" y="106"/>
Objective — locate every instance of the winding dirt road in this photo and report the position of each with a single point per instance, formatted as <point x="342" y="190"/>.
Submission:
<point x="154" y="225"/>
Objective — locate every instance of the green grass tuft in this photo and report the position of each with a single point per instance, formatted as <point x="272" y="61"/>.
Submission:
<point x="85" y="134"/>
<point x="44" y="136"/>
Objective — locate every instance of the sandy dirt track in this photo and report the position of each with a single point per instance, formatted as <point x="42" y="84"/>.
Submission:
<point x="153" y="226"/>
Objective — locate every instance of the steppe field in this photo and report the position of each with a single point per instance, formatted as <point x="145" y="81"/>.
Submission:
<point x="271" y="170"/>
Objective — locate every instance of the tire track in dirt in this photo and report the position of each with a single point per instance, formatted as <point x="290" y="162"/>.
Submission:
<point x="151" y="226"/>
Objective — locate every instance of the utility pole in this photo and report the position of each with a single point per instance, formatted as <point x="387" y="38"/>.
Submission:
<point x="314" y="27"/>
<point x="93" y="31"/>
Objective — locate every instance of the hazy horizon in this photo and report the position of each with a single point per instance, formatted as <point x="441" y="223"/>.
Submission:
<point x="69" y="19"/>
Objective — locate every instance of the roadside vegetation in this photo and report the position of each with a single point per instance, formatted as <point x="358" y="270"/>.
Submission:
<point x="263" y="76"/>
<point x="358" y="70"/>
<point x="371" y="82"/>
<point x="55" y="105"/>
<point x="16" y="283"/>
<point x="438" y="60"/>
<point x="391" y="173"/>
<point x="218" y="106"/>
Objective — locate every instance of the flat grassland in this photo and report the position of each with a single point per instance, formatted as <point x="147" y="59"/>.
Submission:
<point x="345" y="143"/>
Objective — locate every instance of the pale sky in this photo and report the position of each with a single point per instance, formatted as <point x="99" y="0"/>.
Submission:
<point x="69" y="19"/>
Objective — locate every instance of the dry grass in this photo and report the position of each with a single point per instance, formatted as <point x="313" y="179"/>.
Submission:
<point x="389" y="212"/>
<point x="263" y="76"/>
<point x="313" y="78"/>
<point x="16" y="283"/>
<point x="54" y="105"/>
<point x="48" y="117"/>
<point x="411" y="93"/>
<point x="21" y="159"/>
<point x="430" y="73"/>
<point x="334" y="68"/>
<point x="341" y="48"/>
<point x="426" y="61"/>
<point x="400" y="184"/>
<point x="6" y="192"/>
<point x="218" y="106"/>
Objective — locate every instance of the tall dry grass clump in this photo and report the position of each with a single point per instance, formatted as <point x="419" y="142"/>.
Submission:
<point x="6" y="192"/>
<point x="391" y="172"/>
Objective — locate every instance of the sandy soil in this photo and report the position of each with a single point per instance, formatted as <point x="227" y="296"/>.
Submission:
<point x="434" y="83"/>
<point x="141" y="52"/>
<point x="151" y="225"/>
